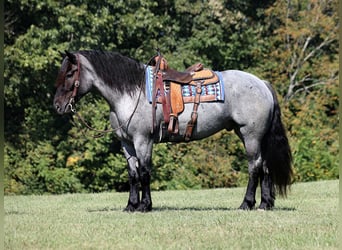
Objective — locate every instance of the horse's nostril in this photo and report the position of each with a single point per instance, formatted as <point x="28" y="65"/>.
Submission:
<point x="57" y="107"/>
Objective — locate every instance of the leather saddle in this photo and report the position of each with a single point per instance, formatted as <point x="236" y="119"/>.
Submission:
<point x="173" y="100"/>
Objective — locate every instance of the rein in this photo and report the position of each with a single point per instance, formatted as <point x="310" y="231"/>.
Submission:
<point x="101" y="132"/>
<point x="71" y="105"/>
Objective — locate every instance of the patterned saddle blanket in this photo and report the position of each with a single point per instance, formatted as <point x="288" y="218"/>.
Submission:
<point x="211" y="92"/>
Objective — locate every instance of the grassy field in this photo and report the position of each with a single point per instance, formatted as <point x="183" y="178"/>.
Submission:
<point x="201" y="219"/>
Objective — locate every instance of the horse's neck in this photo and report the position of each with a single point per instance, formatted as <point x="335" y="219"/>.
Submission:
<point x="93" y="83"/>
<point x="113" y="96"/>
<point x="120" y="103"/>
<point x="107" y="92"/>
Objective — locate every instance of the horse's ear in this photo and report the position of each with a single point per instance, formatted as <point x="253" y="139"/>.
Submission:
<point x="62" y="54"/>
<point x="71" y="56"/>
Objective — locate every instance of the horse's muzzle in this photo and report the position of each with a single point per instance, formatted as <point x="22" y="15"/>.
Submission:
<point x="63" y="109"/>
<point x="59" y="109"/>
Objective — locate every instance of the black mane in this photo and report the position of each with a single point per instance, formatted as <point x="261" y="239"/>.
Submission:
<point x="120" y="72"/>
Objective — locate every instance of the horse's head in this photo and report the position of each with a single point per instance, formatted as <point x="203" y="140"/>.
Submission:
<point x="67" y="83"/>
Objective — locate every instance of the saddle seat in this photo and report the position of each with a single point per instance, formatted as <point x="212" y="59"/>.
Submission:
<point x="192" y="74"/>
<point x="181" y="77"/>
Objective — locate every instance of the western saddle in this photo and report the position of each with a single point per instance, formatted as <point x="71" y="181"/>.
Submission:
<point x="167" y="90"/>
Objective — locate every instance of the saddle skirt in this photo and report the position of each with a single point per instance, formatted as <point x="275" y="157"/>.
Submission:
<point x="212" y="87"/>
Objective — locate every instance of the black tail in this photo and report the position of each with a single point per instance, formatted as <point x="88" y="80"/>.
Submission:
<point x="277" y="152"/>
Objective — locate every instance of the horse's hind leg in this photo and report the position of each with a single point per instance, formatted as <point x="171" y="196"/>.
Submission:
<point x="267" y="190"/>
<point x="257" y="169"/>
<point x="249" y="199"/>
<point x="252" y="147"/>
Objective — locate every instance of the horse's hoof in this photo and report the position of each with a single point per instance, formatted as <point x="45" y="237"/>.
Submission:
<point x="130" y="208"/>
<point x="245" y="206"/>
<point x="264" y="206"/>
<point x="144" y="208"/>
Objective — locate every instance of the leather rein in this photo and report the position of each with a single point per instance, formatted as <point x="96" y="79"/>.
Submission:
<point x="71" y="105"/>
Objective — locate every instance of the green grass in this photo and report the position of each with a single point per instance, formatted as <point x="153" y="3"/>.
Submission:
<point x="200" y="219"/>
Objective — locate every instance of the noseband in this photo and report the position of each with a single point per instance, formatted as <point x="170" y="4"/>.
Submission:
<point x="76" y="85"/>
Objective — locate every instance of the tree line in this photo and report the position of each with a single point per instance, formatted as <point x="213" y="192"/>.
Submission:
<point x="292" y="44"/>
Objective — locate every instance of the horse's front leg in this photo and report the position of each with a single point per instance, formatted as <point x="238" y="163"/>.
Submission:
<point x="143" y="148"/>
<point x="133" y="175"/>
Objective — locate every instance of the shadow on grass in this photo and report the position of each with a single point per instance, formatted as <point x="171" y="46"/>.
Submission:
<point x="14" y="213"/>
<point x="105" y="209"/>
<point x="170" y="208"/>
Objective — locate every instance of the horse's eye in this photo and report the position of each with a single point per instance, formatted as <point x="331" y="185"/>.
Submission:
<point x="70" y="73"/>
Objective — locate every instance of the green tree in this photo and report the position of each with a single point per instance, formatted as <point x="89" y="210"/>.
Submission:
<point x="295" y="49"/>
<point x="304" y="69"/>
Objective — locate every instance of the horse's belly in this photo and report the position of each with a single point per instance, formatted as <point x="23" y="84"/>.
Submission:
<point x="211" y="119"/>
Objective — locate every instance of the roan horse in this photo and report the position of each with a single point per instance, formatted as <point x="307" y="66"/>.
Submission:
<point x="250" y="108"/>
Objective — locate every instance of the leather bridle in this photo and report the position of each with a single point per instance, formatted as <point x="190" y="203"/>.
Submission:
<point x="76" y="85"/>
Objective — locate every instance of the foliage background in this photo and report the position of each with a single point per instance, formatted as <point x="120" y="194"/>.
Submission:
<point x="293" y="44"/>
